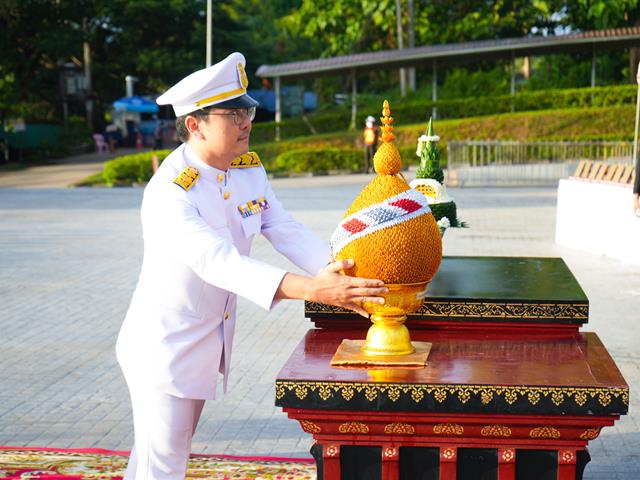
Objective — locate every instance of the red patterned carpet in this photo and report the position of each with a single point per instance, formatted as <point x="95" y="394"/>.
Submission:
<point x="24" y="463"/>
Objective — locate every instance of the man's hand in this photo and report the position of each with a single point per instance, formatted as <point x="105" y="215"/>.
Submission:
<point x="636" y="205"/>
<point x="332" y="287"/>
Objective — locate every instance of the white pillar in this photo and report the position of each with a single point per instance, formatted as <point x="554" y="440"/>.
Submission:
<point x="513" y="73"/>
<point x="354" y="99"/>
<point x="635" y="136"/>
<point x="403" y="81"/>
<point x="209" y="28"/>
<point x="86" y="50"/>
<point x="513" y="78"/>
<point x="412" y="44"/>
<point x="593" y="66"/>
<point x="278" y="108"/>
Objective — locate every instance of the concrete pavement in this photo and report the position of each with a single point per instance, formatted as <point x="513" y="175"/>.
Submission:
<point x="68" y="172"/>
<point x="69" y="262"/>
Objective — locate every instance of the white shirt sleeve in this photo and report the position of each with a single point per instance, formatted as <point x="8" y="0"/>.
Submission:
<point x="292" y="239"/>
<point x="172" y="219"/>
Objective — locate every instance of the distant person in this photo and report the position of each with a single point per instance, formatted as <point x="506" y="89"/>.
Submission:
<point x="158" y="135"/>
<point x="139" y="139"/>
<point x="130" y="133"/>
<point x="111" y="135"/>
<point x="370" y="136"/>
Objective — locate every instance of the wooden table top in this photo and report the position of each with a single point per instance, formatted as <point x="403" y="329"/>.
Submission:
<point x="489" y="289"/>
<point x="466" y="371"/>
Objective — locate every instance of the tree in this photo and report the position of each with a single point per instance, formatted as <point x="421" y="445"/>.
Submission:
<point x="158" y="41"/>
<point x="601" y="14"/>
<point x="340" y="27"/>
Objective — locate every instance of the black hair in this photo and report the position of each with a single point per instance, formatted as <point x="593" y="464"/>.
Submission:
<point x="181" y="127"/>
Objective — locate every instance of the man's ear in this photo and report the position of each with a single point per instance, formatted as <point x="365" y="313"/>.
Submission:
<point x="192" y="124"/>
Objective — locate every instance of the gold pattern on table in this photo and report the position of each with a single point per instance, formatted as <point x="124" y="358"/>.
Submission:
<point x="463" y="393"/>
<point x="495" y="431"/>
<point x="567" y="456"/>
<point x="590" y="434"/>
<point x="579" y="311"/>
<point x="310" y="427"/>
<point x="390" y="453"/>
<point x="353" y="427"/>
<point x="332" y="451"/>
<point x="448" y="429"/>
<point x="398" y="428"/>
<point x="544" y="432"/>
<point x="508" y="456"/>
<point x="448" y="453"/>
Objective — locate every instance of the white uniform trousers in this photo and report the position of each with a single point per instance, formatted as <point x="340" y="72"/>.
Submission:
<point x="163" y="427"/>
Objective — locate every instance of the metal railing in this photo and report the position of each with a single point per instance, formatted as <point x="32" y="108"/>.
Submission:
<point x="476" y="153"/>
<point x="505" y="162"/>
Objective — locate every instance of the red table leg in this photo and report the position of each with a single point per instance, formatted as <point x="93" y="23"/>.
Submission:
<point x="506" y="463"/>
<point x="390" y="467"/>
<point x="448" y="463"/>
<point x="566" y="464"/>
<point x="331" y="461"/>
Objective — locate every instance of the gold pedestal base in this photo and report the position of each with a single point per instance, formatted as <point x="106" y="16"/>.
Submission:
<point x="388" y="336"/>
<point x="350" y="354"/>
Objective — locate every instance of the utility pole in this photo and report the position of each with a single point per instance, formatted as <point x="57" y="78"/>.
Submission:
<point x="635" y="136"/>
<point x="412" y="44"/>
<point x="403" y="81"/>
<point x="209" y="28"/>
<point x="86" y="50"/>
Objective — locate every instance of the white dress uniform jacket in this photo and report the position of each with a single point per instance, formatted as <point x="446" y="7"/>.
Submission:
<point x="179" y="329"/>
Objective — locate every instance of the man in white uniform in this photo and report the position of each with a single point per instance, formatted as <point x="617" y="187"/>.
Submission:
<point x="200" y="212"/>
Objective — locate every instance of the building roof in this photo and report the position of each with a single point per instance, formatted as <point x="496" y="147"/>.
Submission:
<point x="453" y="53"/>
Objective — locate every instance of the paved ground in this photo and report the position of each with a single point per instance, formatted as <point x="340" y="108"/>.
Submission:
<point x="69" y="171"/>
<point x="69" y="260"/>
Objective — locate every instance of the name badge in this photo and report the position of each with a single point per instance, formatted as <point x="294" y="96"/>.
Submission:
<point x="254" y="206"/>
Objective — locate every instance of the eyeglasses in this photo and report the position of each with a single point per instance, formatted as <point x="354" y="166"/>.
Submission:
<point x="240" y="115"/>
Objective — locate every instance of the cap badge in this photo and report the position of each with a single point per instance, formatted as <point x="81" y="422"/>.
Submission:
<point x="248" y="160"/>
<point x="243" y="76"/>
<point x="187" y="178"/>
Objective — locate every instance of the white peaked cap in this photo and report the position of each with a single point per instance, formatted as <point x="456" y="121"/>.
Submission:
<point x="214" y="85"/>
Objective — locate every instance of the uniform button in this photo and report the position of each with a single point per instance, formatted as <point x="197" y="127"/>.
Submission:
<point x="226" y="315"/>
<point x="220" y="178"/>
<point x="226" y="195"/>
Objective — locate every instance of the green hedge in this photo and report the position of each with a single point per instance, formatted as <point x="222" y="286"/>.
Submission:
<point x="419" y="111"/>
<point x="322" y="160"/>
<point x="315" y="160"/>
<point x="128" y="169"/>
<point x="341" y="150"/>
<point x="296" y="127"/>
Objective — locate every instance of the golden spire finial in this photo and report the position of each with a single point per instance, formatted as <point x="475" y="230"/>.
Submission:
<point x="387" y="121"/>
<point x="387" y="160"/>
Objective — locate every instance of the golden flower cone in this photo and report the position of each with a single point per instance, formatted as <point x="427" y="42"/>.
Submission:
<point x="405" y="255"/>
<point x="409" y="252"/>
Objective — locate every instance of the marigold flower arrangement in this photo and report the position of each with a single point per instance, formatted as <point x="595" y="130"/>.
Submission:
<point x="389" y="229"/>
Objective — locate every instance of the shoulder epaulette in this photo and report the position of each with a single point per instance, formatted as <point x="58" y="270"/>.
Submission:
<point x="187" y="178"/>
<point x="248" y="160"/>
